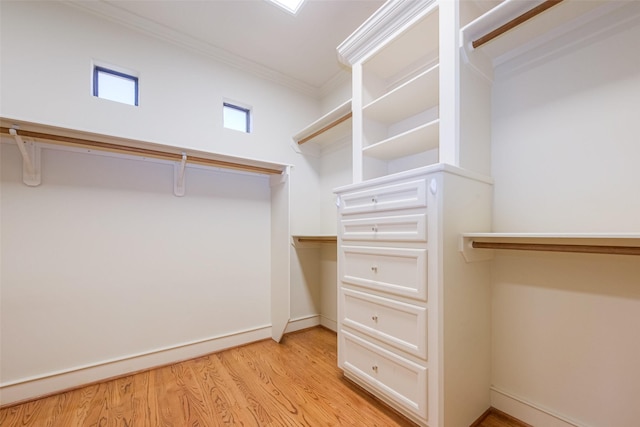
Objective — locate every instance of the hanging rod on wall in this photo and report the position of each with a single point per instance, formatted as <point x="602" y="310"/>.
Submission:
<point x="139" y="151"/>
<point x="326" y="128"/>
<point x="514" y="22"/>
<point x="471" y="245"/>
<point x="554" y="247"/>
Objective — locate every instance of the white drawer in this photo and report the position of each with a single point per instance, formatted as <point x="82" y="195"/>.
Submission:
<point x="411" y="194"/>
<point x="394" y="270"/>
<point x="396" y="228"/>
<point x="399" y="324"/>
<point x="397" y="378"/>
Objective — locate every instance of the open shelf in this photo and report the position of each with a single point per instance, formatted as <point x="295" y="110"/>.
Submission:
<point x="334" y="125"/>
<point x="414" y="141"/>
<point x="479" y="246"/>
<point x="72" y="139"/>
<point x="416" y="95"/>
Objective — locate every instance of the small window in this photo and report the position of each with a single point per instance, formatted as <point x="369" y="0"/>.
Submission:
<point x="236" y="117"/>
<point x="115" y="86"/>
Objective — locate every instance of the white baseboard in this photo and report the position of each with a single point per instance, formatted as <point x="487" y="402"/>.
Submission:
<point x="35" y="387"/>
<point x="528" y="412"/>
<point x="329" y="323"/>
<point x="302" y="323"/>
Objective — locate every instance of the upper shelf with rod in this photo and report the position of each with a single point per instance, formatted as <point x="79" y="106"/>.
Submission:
<point x="334" y="125"/>
<point x="39" y="135"/>
<point x="480" y="246"/>
<point x="538" y="27"/>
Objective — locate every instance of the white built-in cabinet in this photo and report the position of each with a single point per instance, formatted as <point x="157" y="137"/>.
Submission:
<point x="413" y="312"/>
<point x="413" y="316"/>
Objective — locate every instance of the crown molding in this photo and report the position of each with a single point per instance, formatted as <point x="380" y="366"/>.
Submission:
<point x="122" y="17"/>
<point x="386" y="21"/>
<point x="340" y="78"/>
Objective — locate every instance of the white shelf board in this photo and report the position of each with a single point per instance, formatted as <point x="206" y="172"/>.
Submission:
<point x="55" y="137"/>
<point x="617" y="240"/>
<point x="332" y="134"/>
<point x="565" y="16"/>
<point x="418" y="94"/>
<point x="414" y="141"/>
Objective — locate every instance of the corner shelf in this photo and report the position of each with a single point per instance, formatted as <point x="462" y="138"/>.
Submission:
<point x="480" y="246"/>
<point x="334" y="125"/>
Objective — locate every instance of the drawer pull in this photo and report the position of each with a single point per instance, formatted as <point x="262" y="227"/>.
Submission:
<point x="374" y="269"/>
<point x="375" y="368"/>
<point x="374" y="228"/>
<point x="374" y="199"/>
<point x="374" y="318"/>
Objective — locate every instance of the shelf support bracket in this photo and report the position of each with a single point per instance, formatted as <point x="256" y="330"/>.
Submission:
<point x="470" y="254"/>
<point x="281" y="178"/>
<point x="178" y="175"/>
<point x="30" y="152"/>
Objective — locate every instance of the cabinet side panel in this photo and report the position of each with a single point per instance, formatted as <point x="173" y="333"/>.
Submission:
<point x="466" y="315"/>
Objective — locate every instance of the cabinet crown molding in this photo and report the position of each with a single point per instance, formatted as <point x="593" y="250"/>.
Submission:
<point x="386" y="21"/>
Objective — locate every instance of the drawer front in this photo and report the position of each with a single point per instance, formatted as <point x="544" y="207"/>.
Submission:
<point x="393" y="270"/>
<point x="411" y="228"/>
<point x="411" y="194"/>
<point x="401" y="325"/>
<point x="397" y="378"/>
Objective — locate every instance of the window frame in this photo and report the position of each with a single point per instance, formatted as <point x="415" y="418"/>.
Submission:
<point x="245" y="110"/>
<point x="97" y="69"/>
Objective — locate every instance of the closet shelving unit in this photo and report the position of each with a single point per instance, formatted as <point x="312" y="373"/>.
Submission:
<point x="399" y="117"/>
<point x="513" y="34"/>
<point x="32" y="137"/>
<point x="403" y="289"/>
<point x="328" y="129"/>
<point x="535" y="28"/>
<point x="324" y="138"/>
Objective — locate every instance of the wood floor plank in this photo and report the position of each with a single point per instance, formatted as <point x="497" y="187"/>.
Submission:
<point x="293" y="383"/>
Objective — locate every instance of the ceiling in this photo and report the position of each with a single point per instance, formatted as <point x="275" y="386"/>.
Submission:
<point x="299" y="51"/>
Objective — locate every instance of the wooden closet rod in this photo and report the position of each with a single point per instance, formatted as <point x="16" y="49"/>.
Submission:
<point x="550" y="247"/>
<point x="316" y="240"/>
<point x="326" y="128"/>
<point x="515" y="22"/>
<point x="137" y="151"/>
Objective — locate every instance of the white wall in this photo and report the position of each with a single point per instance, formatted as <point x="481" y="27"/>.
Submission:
<point x="566" y="327"/>
<point x="102" y="262"/>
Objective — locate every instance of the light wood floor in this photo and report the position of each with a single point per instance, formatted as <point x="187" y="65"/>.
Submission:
<point x="295" y="383"/>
